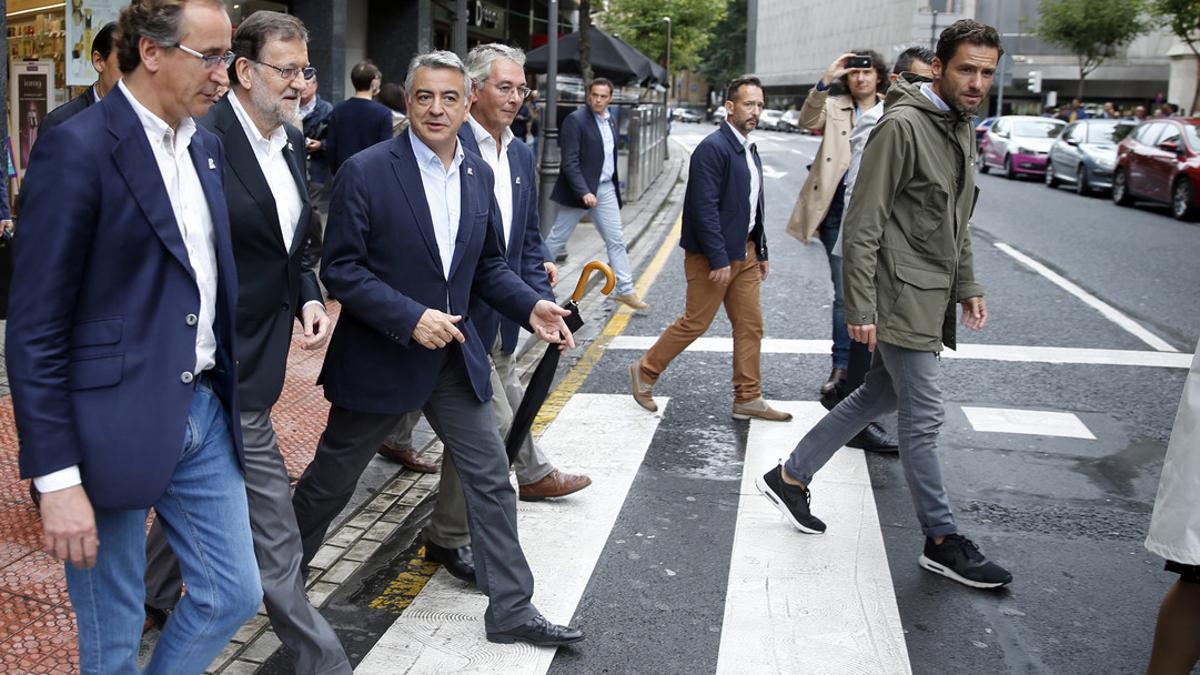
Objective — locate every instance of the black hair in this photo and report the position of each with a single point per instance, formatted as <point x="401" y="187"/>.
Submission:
<point x="363" y="75"/>
<point x="877" y="62"/>
<point x="743" y="81"/>
<point x="103" y="42"/>
<point x="969" y="31"/>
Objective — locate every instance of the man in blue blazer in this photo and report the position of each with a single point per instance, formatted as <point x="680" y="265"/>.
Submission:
<point x="358" y="122"/>
<point x="104" y="60"/>
<point x="725" y="237"/>
<point x="588" y="183"/>
<point x="121" y="351"/>
<point x="411" y="240"/>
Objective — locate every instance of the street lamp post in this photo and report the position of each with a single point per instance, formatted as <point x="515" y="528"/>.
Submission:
<point x="670" y="79"/>
<point x="550" y="155"/>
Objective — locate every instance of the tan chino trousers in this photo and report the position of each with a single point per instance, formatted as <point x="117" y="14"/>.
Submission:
<point x="704" y="298"/>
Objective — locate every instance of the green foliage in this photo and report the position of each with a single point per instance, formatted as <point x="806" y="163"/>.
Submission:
<point x="724" y="57"/>
<point x="1094" y="30"/>
<point x="640" y="23"/>
<point x="1182" y="17"/>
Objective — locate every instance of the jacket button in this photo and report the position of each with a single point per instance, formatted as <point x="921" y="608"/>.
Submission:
<point x="191" y="319"/>
<point x="186" y="377"/>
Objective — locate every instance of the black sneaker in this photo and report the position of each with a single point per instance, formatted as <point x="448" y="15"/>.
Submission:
<point x="958" y="558"/>
<point x="791" y="500"/>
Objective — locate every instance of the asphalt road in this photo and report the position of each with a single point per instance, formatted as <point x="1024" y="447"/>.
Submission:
<point x="1066" y="515"/>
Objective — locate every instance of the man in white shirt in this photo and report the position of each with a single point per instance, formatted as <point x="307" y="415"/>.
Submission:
<point x="121" y="352"/>
<point x="270" y="214"/>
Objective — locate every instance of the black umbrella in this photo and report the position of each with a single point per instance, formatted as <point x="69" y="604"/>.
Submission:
<point x="612" y="58"/>
<point x="543" y="375"/>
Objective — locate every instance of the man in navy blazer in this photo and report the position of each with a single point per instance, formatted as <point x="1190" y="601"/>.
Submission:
<point x="725" y="237"/>
<point x="358" y="122"/>
<point x="588" y="183"/>
<point x="104" y="60"/>
<point x="411" y="239"/>
<point x="121" y="351"/>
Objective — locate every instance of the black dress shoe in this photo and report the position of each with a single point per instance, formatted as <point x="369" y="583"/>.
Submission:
<point x="873" y="438"/>
<point x="836" y="375"/>
<point x="156" y="617"/>
<point x="457" y="561"/>
<point x="538" y="631"/>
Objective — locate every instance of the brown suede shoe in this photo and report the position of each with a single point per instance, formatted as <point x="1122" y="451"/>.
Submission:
<point x="555" y="484"/>
<point x="643" y="392"/>
<point x="759" y="409"/>
<point x="409" y="458"/>
<point x="632" y="300"/>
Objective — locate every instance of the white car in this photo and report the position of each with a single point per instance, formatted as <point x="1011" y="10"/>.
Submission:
<point x="769" y="120"/>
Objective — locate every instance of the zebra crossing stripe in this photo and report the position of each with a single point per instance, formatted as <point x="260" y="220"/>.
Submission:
<point x="800" y="603"/>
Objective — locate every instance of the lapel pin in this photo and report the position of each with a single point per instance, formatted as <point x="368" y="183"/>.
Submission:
<point x="518" y="180"/>
<point x="212" y="164"/>
<point x="290" y="146"/>
<point x="470" y="171"/>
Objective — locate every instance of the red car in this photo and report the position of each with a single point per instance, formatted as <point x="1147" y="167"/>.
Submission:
<point x="1160" y="161"/>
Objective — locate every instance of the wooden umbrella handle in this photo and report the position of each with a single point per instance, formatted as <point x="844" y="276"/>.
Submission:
<point x="609" y="280"/>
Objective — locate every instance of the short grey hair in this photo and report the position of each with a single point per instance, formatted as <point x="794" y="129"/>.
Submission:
<point x="481" y="58"/>
<point x="436" y="59"/>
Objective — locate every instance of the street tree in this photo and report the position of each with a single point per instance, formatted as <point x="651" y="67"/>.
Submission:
<point x="639" y="22"/>
<point x="1182" y="17"/>
<point x="1093" y="30"/>
<point x="724" y="57"/>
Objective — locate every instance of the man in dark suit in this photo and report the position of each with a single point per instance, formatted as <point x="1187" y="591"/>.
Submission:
<point x="358" y="122"/>
<point x="121" y="350"/>
<point x="411" y="239"/>
<point x="724" y="234"/>
<point x="589" y="184"/>
<point x="269" y="214"/>
<point x="315" y="111"/>
<point x="104" y="60"/>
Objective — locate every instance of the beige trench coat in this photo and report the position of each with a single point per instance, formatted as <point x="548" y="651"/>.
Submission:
<point x="834" y="116"/>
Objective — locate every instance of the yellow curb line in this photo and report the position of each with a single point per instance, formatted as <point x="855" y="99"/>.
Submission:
<point x="616" y="325"/>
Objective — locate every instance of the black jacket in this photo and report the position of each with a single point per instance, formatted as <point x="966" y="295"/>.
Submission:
<point x="273" y="284"/>
<point x="355" y="125"/>
<point x="67" y="110"/>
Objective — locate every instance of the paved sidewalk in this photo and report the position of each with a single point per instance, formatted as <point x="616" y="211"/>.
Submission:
<point x="37" y="626"/>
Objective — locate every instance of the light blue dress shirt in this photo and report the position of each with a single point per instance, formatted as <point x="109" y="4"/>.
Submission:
<point x="443" y="194"/>
<point x="606" y="134"/>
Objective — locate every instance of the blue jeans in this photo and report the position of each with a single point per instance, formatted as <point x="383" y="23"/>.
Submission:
<point x="207" y="523"/>
<point x="607" y="217"/>
<point x="828" y="231"/>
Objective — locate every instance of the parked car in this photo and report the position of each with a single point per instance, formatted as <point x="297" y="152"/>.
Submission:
<point x="1160" y="161"/>
<point x="690" y="116"/>
<point x="769" y="120"/>
<point x="1018" y="145"/>
<point x="1085" y="154"/>
<point x="718" y="115"/>
<point x="981" y="129"/>
<point x="790" y="122"/>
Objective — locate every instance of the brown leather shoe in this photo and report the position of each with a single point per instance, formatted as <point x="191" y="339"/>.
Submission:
<point x="759" y="409"/>
<point x="555" y="484"/>
<point x="409" y="458"/>
<point x="643" y="392"/>
<point x="631" y="300"/>
<point x="835" y="376"/>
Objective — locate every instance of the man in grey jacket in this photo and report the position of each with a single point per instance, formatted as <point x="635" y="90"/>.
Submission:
<point x="907" y="261"/>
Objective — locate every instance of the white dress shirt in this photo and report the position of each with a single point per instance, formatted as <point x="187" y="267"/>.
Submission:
<point x="498" y="160"/>
<point x="606" y="135"/>
<point x="195" y="224"/>
<point x="271" y="160"/>
<point x="755" y="179"/>
<point x="443" y="194"/>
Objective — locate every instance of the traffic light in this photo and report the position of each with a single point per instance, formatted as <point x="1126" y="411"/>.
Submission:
<point x="1035" y="81"/>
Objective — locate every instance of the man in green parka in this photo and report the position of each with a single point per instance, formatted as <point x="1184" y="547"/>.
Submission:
<point x="907" y="249"/>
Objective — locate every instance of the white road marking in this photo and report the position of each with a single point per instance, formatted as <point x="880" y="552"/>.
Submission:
<point x="1111" y="313"/>
<point x="981" y="352"/>
<point x="799" y="603"/>
<point x="1033" y="422"/>
<point x="771" y="172"/>
<point x="442" y="631"/>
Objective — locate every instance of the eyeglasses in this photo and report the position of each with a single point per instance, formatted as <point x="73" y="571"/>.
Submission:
<point x="290" y="73"/>
<point x="210" y="61"/>
<point x="507" y="90"/>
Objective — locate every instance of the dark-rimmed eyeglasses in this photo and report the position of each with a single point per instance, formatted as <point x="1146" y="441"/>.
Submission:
<point x="290" y="73"/>
<point x="507" y="90"/>
<point x="210" y="61"/>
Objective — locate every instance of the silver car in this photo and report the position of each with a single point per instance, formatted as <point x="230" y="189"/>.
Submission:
<point x="1085" y="154"/>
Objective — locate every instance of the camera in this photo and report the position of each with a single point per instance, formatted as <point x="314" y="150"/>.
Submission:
<point x="859" y="62"/>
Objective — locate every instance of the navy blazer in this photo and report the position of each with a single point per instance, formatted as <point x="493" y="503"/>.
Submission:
<point x="716" y="208"/>
<point x="355" y="125"/>
<point x="102" y="334"/>
<point x="583" y="158"/>
<point x="274" y="283"/>
<point x="67" y="110"/>
<point x="316" y="127"/>
<point x="525" y="253"/>
<point x="381" y="261"/>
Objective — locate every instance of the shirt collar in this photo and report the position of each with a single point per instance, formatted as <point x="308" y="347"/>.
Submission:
<point x="601" y="116"/>
<point x="96" y="93"/>
<point x="426" y="156"/>
<point x="275" y="141"/>
<point x="738" y="135"/>
<point x="930" y="94"/>
<point x="155" y="126"/>
<point x="482" y="135"/>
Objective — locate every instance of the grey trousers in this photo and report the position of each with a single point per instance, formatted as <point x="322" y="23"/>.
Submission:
<point x="276" y="546"/>
<point x="906" y="381"/>
<point x="448" y="526"/>
<point x="468" y="429"/>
